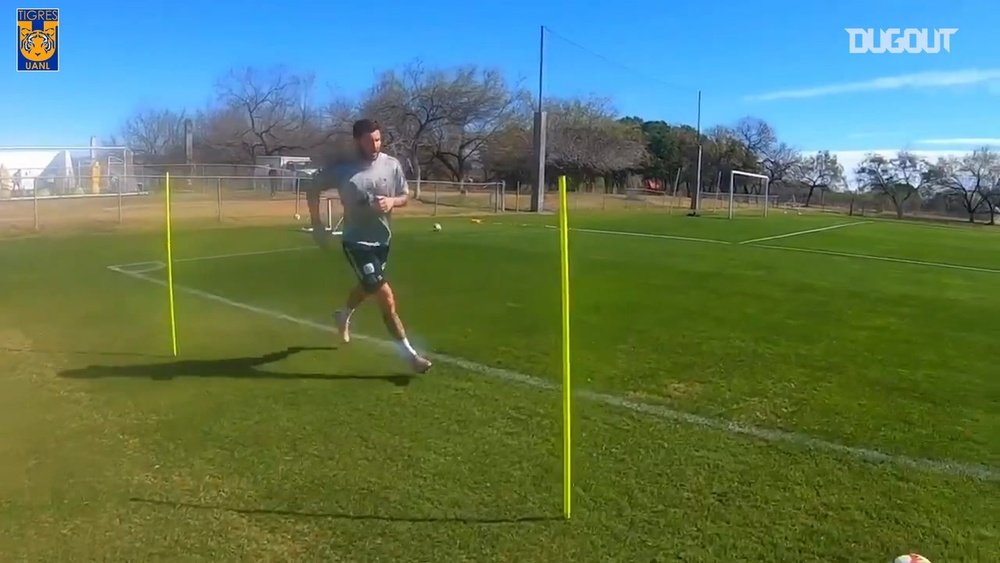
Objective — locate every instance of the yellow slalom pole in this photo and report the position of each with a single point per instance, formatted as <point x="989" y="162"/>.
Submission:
<point x="567" y="390"/>
<point x="170" y="271"/>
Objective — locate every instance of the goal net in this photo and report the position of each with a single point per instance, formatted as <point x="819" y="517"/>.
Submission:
<point x="749" y="192"/>
<point x="461" y="197"/>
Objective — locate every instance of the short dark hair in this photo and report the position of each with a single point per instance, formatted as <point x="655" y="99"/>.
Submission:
<point x="365" y="127"/>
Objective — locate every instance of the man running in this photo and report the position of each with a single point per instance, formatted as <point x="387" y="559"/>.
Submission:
<point x="370" y="186"/>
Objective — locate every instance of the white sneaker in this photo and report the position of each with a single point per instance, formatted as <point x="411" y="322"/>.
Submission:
<point x="420" y="364"/>
<point x="343" y="320"/>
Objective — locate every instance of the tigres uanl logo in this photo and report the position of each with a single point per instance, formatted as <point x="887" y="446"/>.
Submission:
<point x="37" y="39"/>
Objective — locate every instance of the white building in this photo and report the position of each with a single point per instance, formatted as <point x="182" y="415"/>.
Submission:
<point x="22" y="171"/>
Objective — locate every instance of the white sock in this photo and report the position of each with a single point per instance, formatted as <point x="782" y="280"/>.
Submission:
<point x="404" y="345"/>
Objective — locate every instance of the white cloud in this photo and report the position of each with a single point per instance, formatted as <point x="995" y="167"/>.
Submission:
<point x="978" y="141"/>
<point x="920" y="80"/>
<point x="872" y="134"/>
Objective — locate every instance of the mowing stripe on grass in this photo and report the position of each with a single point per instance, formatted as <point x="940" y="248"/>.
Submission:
<point x="806" y="232"/>
<point x="643" y="235"/>
<point x="881" y="258"/>
<point x="238" y="254"/>
<point x="953" y="468"/>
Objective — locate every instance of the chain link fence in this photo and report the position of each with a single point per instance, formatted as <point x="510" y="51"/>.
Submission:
<point x="32" y="203"/>
<point x="111" y="202"/>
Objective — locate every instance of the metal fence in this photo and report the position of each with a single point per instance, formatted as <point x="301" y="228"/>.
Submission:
<point x="138" y="201"/>
<point x="112" y="201"/>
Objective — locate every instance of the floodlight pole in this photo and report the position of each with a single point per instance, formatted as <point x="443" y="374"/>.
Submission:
<point x="732" y="188"/>
<point x="697" y="191"/>
<point x="541" y="65"/>
<point x="538" y="141"/>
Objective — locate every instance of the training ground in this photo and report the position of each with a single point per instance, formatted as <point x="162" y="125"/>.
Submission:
<point x="791" y="388"/>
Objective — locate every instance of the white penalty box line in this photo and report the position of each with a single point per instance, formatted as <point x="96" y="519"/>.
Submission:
<point x="805" y="232"/>
<point x="141" y="271"/>
<point x="755" y="243"/>
<point x="710" y="240"/>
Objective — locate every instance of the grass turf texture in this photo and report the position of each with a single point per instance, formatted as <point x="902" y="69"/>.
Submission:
<point x="248" y="447"/>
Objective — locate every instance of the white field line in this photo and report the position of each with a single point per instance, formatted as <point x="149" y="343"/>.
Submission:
<point x="806" y="232"/>
<point x="952" y="468"/>
<point x="643" y="235"/>
<point x="882" y="258"/>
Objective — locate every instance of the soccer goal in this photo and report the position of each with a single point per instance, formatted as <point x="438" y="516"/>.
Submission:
<point x="462" y="197"/>
<point x="748" y="199"/>
<point x="334" y="228"/>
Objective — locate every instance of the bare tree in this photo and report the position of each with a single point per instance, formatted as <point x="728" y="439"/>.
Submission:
<point x="411" y="104"/>
<point x="820" y="170"/>
<point x="898" y="178"/>
<point x="154" y="134"/>
<point x="264" y="113"/>
<point x="968" y="180"/>
<point x="480" y="105"/>
<point x="586" y="140"/>
<point x="779" y="161"/>
<point x="335" y="118"/>
<point x="726" y="151"/>
<point x="756" y="135"/>
<point x="992" y="198"/>
<point x="507" y="154"/>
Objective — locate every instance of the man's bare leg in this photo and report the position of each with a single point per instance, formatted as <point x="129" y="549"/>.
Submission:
<point x="343" y="316"/>
<point x="390" y="317"/>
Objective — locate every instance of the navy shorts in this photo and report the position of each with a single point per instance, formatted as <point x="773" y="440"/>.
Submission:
<point x="368" y="263"/>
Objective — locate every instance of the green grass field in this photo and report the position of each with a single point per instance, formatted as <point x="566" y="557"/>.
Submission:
<point x="832" y="395"/>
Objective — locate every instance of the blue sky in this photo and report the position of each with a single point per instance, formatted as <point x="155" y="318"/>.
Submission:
<point x="784" y="61"/>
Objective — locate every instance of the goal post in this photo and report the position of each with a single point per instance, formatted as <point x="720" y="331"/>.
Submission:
<point x="732" y="189"/>
<point x="458" y="197"/>
<point x="330" y="226"/>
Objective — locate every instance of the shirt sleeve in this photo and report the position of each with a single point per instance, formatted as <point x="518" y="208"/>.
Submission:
<point x="402" y="187"/>
<point x="333" y="180"/>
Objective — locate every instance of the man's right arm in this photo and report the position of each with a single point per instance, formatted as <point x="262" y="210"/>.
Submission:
<point x="323" y="181"/>
<point x="312" y="201"/>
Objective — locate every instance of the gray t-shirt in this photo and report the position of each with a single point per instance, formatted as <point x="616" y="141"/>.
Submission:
<point x="358" y="183"/>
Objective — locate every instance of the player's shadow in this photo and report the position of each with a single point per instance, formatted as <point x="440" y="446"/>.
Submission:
<point x="350" y="516"/>
<point x="239" y="368"/>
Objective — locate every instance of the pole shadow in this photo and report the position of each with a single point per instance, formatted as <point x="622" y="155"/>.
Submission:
<point x="348" y="515"/>
<point x="236" y="368"/>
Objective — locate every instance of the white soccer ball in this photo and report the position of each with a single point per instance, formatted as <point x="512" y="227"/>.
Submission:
<point x="911" y="558"/>
<point x="297" y="216"/>
<point x="437" y="226"/>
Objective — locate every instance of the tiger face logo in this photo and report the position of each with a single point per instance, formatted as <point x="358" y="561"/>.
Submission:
<point x="38" y="45"/>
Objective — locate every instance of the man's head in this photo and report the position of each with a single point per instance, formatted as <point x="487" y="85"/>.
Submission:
<point x="368" y="138"/>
